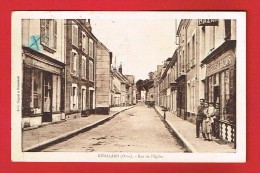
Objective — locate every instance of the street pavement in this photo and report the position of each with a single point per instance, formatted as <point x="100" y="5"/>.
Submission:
<point x="43" y="134"/>
<point x="187" y="133"/>
<point x="139" y="129"/>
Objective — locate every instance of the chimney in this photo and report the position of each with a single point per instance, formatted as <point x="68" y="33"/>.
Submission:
<point x="120" y="69"/>
<point x="88" y="25"/>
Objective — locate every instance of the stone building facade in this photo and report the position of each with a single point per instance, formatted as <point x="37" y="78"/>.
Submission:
<point x="43" y="71"/>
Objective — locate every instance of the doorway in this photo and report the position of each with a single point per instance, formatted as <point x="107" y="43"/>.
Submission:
<point x="91" y="105"/>
<point x="47" y="98"/>
<point x="216" y="94"/>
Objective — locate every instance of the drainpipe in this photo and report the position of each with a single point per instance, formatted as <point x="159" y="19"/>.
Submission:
<point x="65" y="68"/>
<point x="185" y="80"/>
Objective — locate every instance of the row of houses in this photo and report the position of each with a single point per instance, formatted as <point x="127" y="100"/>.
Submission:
<point x="203" y="66"/>
<point x="67" y="72"/>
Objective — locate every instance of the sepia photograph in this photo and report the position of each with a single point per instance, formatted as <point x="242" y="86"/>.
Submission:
<point x="91" y="86"/>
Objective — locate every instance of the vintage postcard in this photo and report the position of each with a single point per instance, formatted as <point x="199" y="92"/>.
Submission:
<point x="128" y="86"/>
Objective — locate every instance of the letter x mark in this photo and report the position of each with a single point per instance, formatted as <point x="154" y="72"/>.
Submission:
<point x="35" y="42"/>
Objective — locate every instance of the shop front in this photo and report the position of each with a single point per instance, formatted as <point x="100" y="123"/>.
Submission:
<point x="220" y="88"/>
<point x="43" y="85"/>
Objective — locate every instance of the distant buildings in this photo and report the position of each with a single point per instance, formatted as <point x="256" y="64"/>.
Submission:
<point x="123" y="88"/>
<point x="67" y="72"/>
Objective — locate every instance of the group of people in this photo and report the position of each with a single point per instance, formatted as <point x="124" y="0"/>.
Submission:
<point x="207" y="120"/>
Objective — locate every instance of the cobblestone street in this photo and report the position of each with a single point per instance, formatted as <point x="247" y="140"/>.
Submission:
<point x="136" y="130"/>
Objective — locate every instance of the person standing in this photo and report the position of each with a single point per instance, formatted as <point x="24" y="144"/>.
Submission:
<point x="199" y="118"/>
<point x="209" y="112"/>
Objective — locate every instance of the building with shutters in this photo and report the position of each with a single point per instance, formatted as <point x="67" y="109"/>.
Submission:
<point x="202" y="67"/>
<point x="80" y="54"/>
<point x="43" y="82"/>
<point x="218" y="56"/>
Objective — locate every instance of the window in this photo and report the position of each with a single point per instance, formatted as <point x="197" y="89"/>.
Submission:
<point x="91" y="48"/>
<point x="74" y="34"/>
<point x="74" y="63"/>
<point x="74" y="97"/>
<point x="91" y="71"/>
<point x="83" y="64"/>
<point x="84" y="43"/>
<point x="56" y="93"/>
<point x="49" y="33"/>
<point x="32" y="91"/>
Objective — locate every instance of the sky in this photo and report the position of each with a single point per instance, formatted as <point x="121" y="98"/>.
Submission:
<point x="139" y="44"/>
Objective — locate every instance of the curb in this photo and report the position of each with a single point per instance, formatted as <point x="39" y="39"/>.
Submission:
<point x="42" y="125"/>
<point x="187" y="144"/>
<point x="45" y="144"/>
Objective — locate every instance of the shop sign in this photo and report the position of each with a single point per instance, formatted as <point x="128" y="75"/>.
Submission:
<point x="208" y="22"/>
<point x="219" y="65"/>
<point x="42" y="65"/>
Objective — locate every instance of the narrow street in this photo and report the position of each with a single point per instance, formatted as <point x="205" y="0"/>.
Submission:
<point x="136" y="130"/>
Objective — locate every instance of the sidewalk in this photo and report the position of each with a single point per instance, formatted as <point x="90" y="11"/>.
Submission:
<point x="50" y="133"/>
<point x="186" y="132"/>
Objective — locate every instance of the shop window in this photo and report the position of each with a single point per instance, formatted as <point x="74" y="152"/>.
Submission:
<point x="91" y="71"/>
<point x="74" y="97"/>
<point x="32" y="92"/>
<point x="56" y="93"/>
<point x="37" y="91"/>
<point x="84" y="43"/>
<point x="74" y="34"/>
<point x="74" y="63"/>
<point x="227" y="103"/>
<point x="91" y="48"/>
<point x="49" y="33"/>
<point x="83" y="67"/>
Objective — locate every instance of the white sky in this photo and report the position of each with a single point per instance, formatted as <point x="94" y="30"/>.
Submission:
<point x="140" y="44"/>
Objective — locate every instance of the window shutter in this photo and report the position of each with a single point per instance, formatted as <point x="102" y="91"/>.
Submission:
<point x="72" y="34"/>
<point x="76" y="98"/>
<point x="54" y="34"/>
<point x="76" y="64"/>
<point x="42" y="25"/>
<point x="83" y="42"/>
<point x="71" y="62"/>
<point x="76" y="36"/>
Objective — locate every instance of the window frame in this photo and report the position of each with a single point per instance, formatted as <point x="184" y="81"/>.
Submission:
<point x="84" y="40"/>
<point x="83" y="67"/>
<point x="74" y="97"/>
<point x="91" y="48"/>
<point x="74" y="35"/>
<point x="74" y="58"/>
<point x="91" y="69"/>
<point x="48" y="32"/>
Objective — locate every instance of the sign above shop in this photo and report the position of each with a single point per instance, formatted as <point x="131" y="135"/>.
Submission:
<point x="208" y="22"/>
<point x="219" y="64"/>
